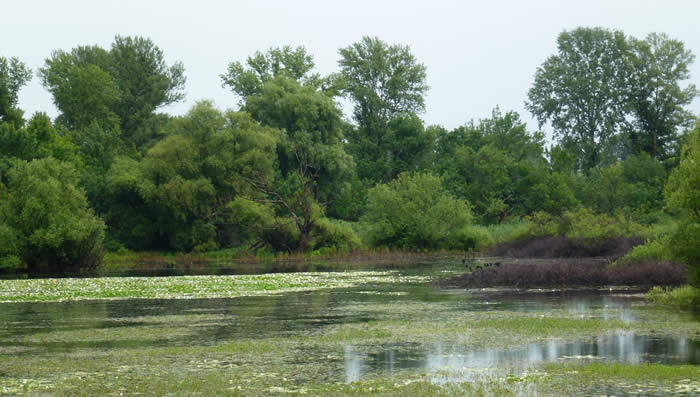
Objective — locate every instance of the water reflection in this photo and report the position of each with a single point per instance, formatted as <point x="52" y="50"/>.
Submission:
<point x="624" y="347"/>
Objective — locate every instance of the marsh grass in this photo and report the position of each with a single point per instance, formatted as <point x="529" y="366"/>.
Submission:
<point x="686" y="296"/>
<point x="115" y="262"/>
<point x="621" y="379"/>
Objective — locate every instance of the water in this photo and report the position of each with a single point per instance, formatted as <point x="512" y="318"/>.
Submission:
<point x="623" y="347"/>
<point x="34" y="331"/>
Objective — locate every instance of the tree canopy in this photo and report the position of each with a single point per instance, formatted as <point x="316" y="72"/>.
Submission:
<point x="582" y="90"/>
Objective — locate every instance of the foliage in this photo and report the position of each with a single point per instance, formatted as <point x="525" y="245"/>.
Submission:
<point x="683" y="195"/>
<point x="682" y="296"/>
<point x="335" y="234"/>
<point x="46" y="220"/>
<point x="405" y="146"/>
<point x="582" y="90"/>
<point x="383" y="81"/>
<point x="387" y="86"/>
<point x="14" y="74"/>
<point x="310" y="154"/>
<point x="118" y="89"/>
<point x="658" y="100"/>
<point x="185" y="183"/>
<point x="415" y="211"/>
<point x="38" y="139"/>
<point x="293" y="63"/>
<point x="499" y="167"/>
<point x="584" y="223"/>
<point x="288" y="172"/>
<point x="656" y="250"/>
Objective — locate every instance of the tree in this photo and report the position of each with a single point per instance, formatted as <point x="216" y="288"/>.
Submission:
<point x="38" y="139"/>
<point x="658" y="100"/>
<point x="178" y="196"/>
<point x="414" y="211"/>
<point x="146" y="83"/>
<point x="280" y="90"/>
<point x="499" y="167"/>
<point x="383" y="80"/>
<point x="13" y="76"/>
<point x="386" y="83"/>
<point x="119" y="89"/>
<point x="248" y="80"/>
<point x="46" y="218"/>
<point x="405" y="146"/>
<point x="312" y="159"/>
<point x="683" y="195"/>
<point x="583" y="92"/>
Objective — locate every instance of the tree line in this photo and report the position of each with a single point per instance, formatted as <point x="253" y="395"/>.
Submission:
<point x="287" y="171"/>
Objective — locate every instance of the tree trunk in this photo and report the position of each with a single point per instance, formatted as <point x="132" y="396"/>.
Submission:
<point x="304" y="238"/>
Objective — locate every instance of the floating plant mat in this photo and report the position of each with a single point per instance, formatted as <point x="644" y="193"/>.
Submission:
<point x="187" y="287"/>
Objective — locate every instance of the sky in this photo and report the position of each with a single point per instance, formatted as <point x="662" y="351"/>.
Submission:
<point x="478" y="54"/>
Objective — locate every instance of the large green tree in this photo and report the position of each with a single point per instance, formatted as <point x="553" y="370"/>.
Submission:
<point x="45" y="218"/>
<point x="499" y="167"/>
<point x="582" y="91"/>
<point x="178" y="196"/>
<point x="387" y="86"/>
<point x="382" y="80"/>
<point x="14" y="74"/>
<point x="280" y="90"/>
<point x="313" y="165"/>
<point x="658" y="101"/>
<point x="117" y="88"/>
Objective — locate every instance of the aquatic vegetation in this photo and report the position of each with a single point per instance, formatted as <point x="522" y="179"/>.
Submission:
<point x="681" y="296"/>
<point x="186" y="287"/>
<point x="365" y="333"/>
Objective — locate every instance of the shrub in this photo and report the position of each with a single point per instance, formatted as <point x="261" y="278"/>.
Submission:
<point x="48" y="217"/>
<point x="683" y="195"/>
<point x="337" y="234"/>
<point x="414" y="211"/>
<point x="681" y="296"/>
<point x="651" y="250"/>
<point x="570" y="272"/>
<point x="474" y="237"/>
<point x="584" y="223"/>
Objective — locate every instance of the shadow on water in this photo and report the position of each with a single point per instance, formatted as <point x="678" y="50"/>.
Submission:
<point x="622" y="347"/>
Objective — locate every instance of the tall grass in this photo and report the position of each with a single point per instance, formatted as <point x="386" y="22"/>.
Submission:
<point x="682" y="296"/>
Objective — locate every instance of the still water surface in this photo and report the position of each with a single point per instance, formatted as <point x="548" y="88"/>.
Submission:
<point x="26" y="328"/>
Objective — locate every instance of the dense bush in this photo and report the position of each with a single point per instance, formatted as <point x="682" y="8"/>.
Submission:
<point x="571" y="272"/>
<point x="335" y="234"/>
<point x="45" y="221"/>
<point x="683" y="195"/>
<point x="585" y="224"/>
<point x="415" y="211"/>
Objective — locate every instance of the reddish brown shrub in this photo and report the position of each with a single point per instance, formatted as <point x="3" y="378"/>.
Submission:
<point x="571" y="273"/>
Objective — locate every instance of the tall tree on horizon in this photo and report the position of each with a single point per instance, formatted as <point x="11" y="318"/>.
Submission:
<point x="387" y="86"/>
<point x="658" y="101"/>
<point x="583" y="91"/>
<point x="14" y="75"/>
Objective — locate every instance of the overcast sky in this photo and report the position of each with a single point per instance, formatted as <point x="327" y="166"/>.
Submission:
<point x="478" y="54"/>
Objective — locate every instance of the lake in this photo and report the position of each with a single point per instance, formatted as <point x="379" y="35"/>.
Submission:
<point x="331" y="340"/>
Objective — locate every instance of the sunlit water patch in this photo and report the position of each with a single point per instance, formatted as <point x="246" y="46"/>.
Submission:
<point x="623" y="347"/>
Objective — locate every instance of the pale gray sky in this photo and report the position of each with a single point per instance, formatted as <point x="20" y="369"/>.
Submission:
<point x="479" y="54"/>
